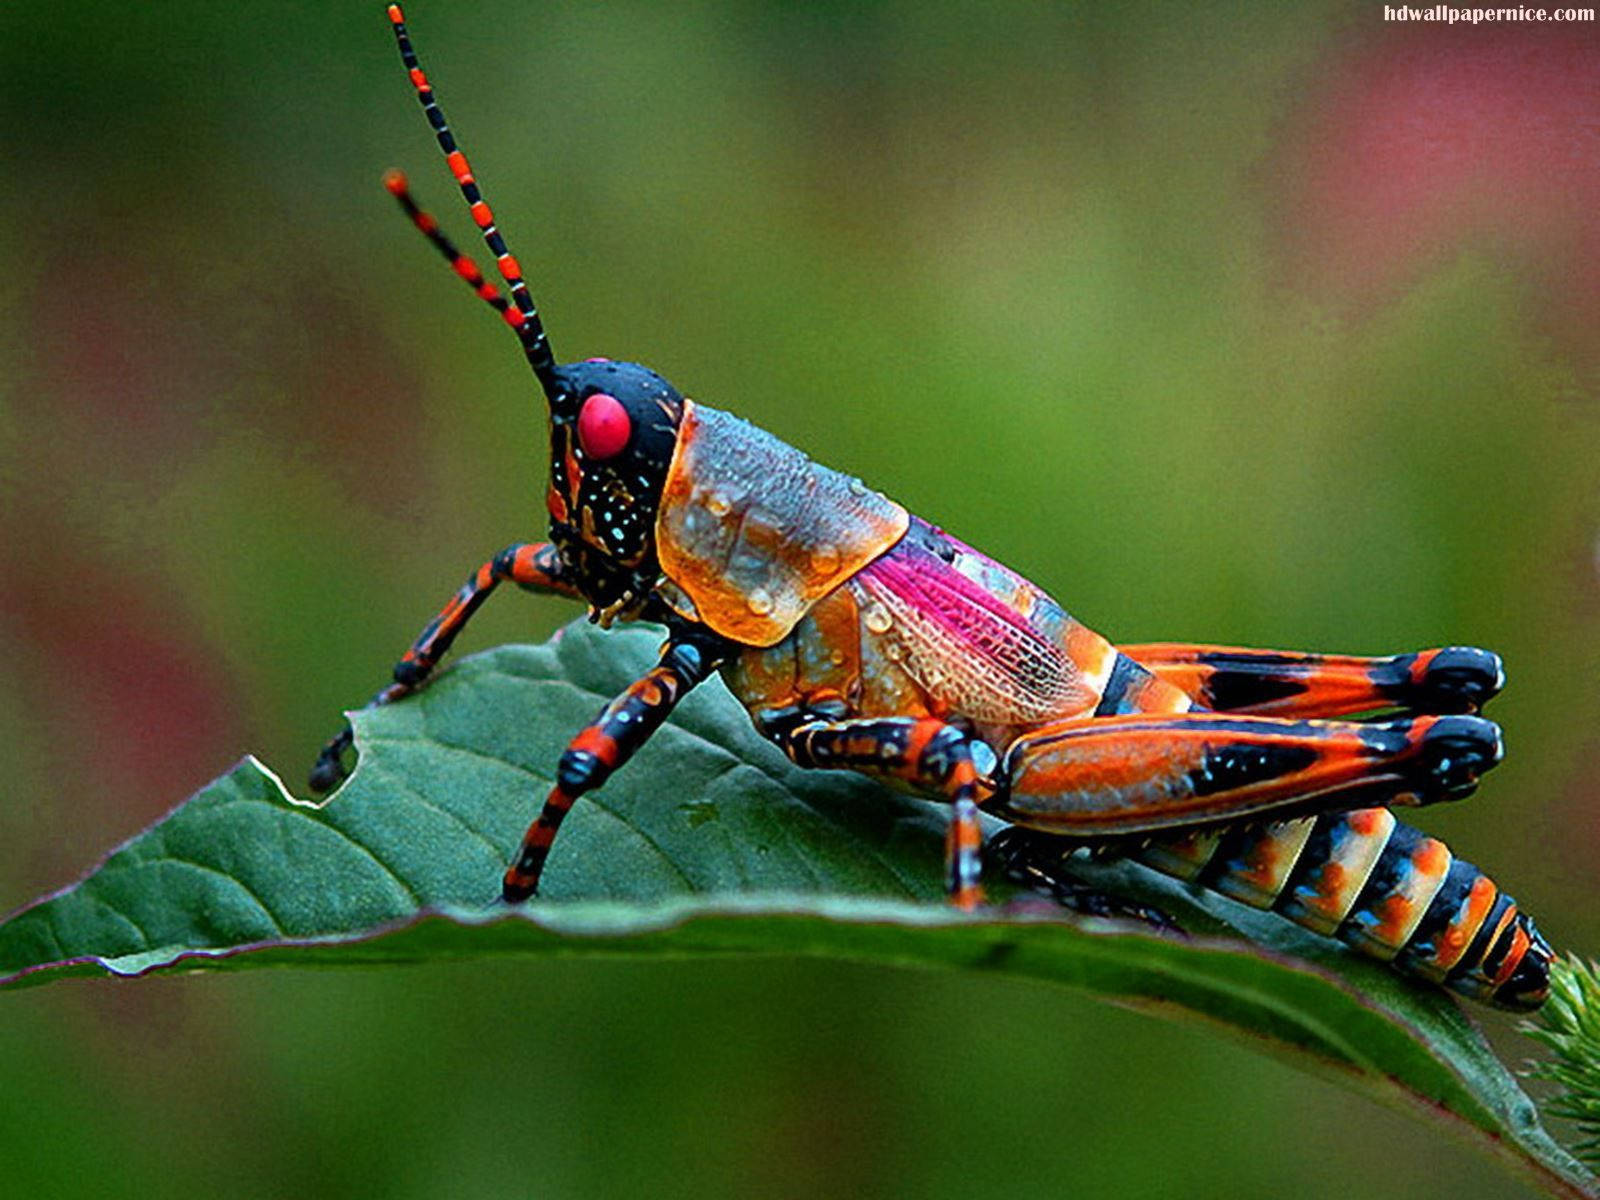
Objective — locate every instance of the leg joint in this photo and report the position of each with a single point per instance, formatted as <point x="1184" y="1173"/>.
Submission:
<point x="945" y="749"/>
<point x="409" y="672"/>
<point x="579" y="771"/>
<point x="504" y="564"/>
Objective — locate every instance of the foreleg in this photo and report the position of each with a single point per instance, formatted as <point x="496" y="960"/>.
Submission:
<point x="609" y="741"/>
<point x="531" y="565"/>
<point x="1455" y="679"/>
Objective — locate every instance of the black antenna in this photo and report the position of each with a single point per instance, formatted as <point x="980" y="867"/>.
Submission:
<point x="524" y="318"/>
<point x="398" y="186"/>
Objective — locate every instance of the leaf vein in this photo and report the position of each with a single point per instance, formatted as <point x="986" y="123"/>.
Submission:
<point x="410" y="789"/>
<point x="166" y="858"/>
<point x="595" y="800"/>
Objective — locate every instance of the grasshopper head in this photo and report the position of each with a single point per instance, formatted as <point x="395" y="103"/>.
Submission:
<point x="613" y="426"/>
<point x="613" y="431"/>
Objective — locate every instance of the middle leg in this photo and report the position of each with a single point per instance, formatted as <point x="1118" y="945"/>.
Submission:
<point x="921" y="750"/>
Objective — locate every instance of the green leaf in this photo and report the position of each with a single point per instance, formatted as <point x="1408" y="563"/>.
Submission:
<point x="709" y="843"/>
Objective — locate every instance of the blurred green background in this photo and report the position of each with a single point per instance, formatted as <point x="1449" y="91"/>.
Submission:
<point x="1237" y="322"/>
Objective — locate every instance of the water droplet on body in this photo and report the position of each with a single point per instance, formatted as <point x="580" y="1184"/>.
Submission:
<point x="760" y="601"/>
<point x="877" y="619"/>
<point x="824" y="558"/>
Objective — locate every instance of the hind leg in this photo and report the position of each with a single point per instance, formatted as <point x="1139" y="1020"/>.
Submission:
<point x="1111" y="777"/>
<point x="1455" y="679"/>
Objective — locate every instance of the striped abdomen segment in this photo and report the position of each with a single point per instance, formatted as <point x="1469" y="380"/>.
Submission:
<point x="1385" y="889"/>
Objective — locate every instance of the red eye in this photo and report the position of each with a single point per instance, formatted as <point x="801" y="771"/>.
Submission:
<point x="603" y="426"/>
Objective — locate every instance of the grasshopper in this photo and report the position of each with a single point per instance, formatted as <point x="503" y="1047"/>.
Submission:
<point x="860" y="636"/>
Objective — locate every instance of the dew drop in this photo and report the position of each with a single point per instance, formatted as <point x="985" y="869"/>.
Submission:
<point x="824" y="558"/>
<point x="699" y="812"/>
<point x="836" y="657"/>
<point x="878" y="619"/>
<point x="718" y="504"/>
<point x="857" y="488"/>
<point x="760" y="601"/>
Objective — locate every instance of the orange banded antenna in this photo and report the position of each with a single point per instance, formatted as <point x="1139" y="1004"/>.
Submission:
<point x="398" y="186"/>
<point x="524" y="318"/>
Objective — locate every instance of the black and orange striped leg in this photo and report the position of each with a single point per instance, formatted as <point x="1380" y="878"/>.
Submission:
<point x="1454" y="679"/>
<point x="609" y="741"/>
<point x="922" y="750"/>
<point x="532" y="565"/>
<point x="1385" y="889"/>
<point x="1106" y="777"/>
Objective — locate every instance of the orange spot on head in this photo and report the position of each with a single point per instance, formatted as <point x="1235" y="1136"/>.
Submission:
<point x="574" y="471"/>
